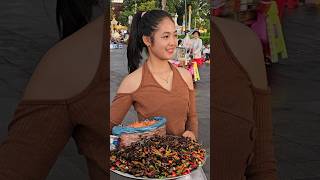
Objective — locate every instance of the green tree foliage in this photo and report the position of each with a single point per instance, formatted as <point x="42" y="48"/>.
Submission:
<point x="148" y="5"/>
<point x="200" y="10"/>
<point x="129" y="7"/>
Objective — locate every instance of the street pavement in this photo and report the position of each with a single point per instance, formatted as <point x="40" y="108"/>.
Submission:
<point x="295" y="84"/>
<point x="28" y="30"/>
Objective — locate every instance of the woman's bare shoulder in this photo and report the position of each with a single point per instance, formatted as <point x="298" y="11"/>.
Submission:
<point x="131" y="82"/>
<point x="247" y="47"/>
<point x="68" y="67"/>
<point x="186" y="76"/>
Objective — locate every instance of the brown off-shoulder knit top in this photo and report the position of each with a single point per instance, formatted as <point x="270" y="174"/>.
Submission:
<point x="151" y="99"/>
<point x="242" y="125"/>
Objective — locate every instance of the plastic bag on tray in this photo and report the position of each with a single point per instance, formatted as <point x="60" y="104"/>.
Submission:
<point x="129" y="134"/>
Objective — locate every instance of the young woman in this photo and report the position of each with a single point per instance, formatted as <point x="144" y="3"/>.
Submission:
<point x="156" y="88"/>
<point x="196" y="45"/>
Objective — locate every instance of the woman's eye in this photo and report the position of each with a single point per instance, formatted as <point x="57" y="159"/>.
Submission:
<point x="165" y="37"/>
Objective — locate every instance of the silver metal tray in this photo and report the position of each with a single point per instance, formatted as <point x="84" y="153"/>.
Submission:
<point x="177" y="177"/>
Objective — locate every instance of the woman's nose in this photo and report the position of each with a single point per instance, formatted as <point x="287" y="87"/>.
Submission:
<point x="173" y="41"/>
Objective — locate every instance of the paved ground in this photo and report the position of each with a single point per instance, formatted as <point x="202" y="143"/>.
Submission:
<point x="27" y="30"/>
<point x="118" y="71"/>
<point x="295" y="84"/>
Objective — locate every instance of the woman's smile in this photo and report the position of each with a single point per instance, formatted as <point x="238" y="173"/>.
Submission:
<point x="170" y="50"/>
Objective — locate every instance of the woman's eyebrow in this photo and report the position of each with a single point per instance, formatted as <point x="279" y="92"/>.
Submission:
<point x="170" y="32"/>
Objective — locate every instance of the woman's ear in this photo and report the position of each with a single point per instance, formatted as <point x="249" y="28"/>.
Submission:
<point x="146" y="40"/>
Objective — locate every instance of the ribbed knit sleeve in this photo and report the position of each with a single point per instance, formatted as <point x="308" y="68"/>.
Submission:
<point x="119" y="108"/>
<point x="37" y="134"/>
<point x="192" y="120"/>
<point x="263" y="164"/>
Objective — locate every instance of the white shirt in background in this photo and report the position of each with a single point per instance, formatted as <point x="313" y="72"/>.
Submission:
<point x="196" y="48"/>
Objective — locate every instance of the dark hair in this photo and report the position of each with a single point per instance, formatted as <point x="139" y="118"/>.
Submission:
<point x="71" y="15"/>
<point x="196" y="31"/>
<point x="142" y="26"/>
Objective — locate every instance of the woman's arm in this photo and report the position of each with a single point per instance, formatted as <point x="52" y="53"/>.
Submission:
<point x="263" y="163"/>
<point x="192" y="121"/>
<point x="36" y="136"/>
<point x="119" y="108"/>
<point x="123" y="99"/>
<point x="192" y="117"/>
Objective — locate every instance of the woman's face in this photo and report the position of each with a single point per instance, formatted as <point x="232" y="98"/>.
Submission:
<point x="164" y="41"/>
<point x="195" y="35"/>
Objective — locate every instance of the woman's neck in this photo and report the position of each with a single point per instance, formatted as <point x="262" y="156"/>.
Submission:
<point x="157" y="65"/>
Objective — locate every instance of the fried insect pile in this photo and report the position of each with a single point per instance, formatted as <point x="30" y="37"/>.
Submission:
<point x="159" y="157"/>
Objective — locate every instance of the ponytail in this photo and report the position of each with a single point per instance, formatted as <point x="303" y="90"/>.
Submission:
<point x="135" y="44"/>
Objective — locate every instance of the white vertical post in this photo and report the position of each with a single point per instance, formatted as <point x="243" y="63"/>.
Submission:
<point x="189" y="24"/>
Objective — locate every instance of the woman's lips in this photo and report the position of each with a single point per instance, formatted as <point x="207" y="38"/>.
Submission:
<point x="170" y="50"/>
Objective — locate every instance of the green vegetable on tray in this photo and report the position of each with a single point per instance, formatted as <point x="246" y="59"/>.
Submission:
<point x="158" y="157"/>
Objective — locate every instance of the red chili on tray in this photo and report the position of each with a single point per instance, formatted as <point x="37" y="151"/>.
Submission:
<point x="158" y="157"/>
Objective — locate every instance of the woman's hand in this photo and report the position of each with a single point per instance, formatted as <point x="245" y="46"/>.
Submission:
<point x="189" y="134"/>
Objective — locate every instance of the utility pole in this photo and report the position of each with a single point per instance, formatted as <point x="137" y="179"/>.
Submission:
<point x="135" y="6"/>
<point x="185" y="15"/>
<point x="190" y="11"/>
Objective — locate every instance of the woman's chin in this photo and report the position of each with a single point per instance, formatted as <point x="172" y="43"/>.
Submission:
<point x="165" y="58"/>
<point x="170" y="55"/>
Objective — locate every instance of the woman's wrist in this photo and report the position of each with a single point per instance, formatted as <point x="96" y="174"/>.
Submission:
<point x="189" y="134"/>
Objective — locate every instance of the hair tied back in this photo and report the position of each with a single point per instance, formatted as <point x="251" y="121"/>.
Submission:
<point x="143" y="13"/>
